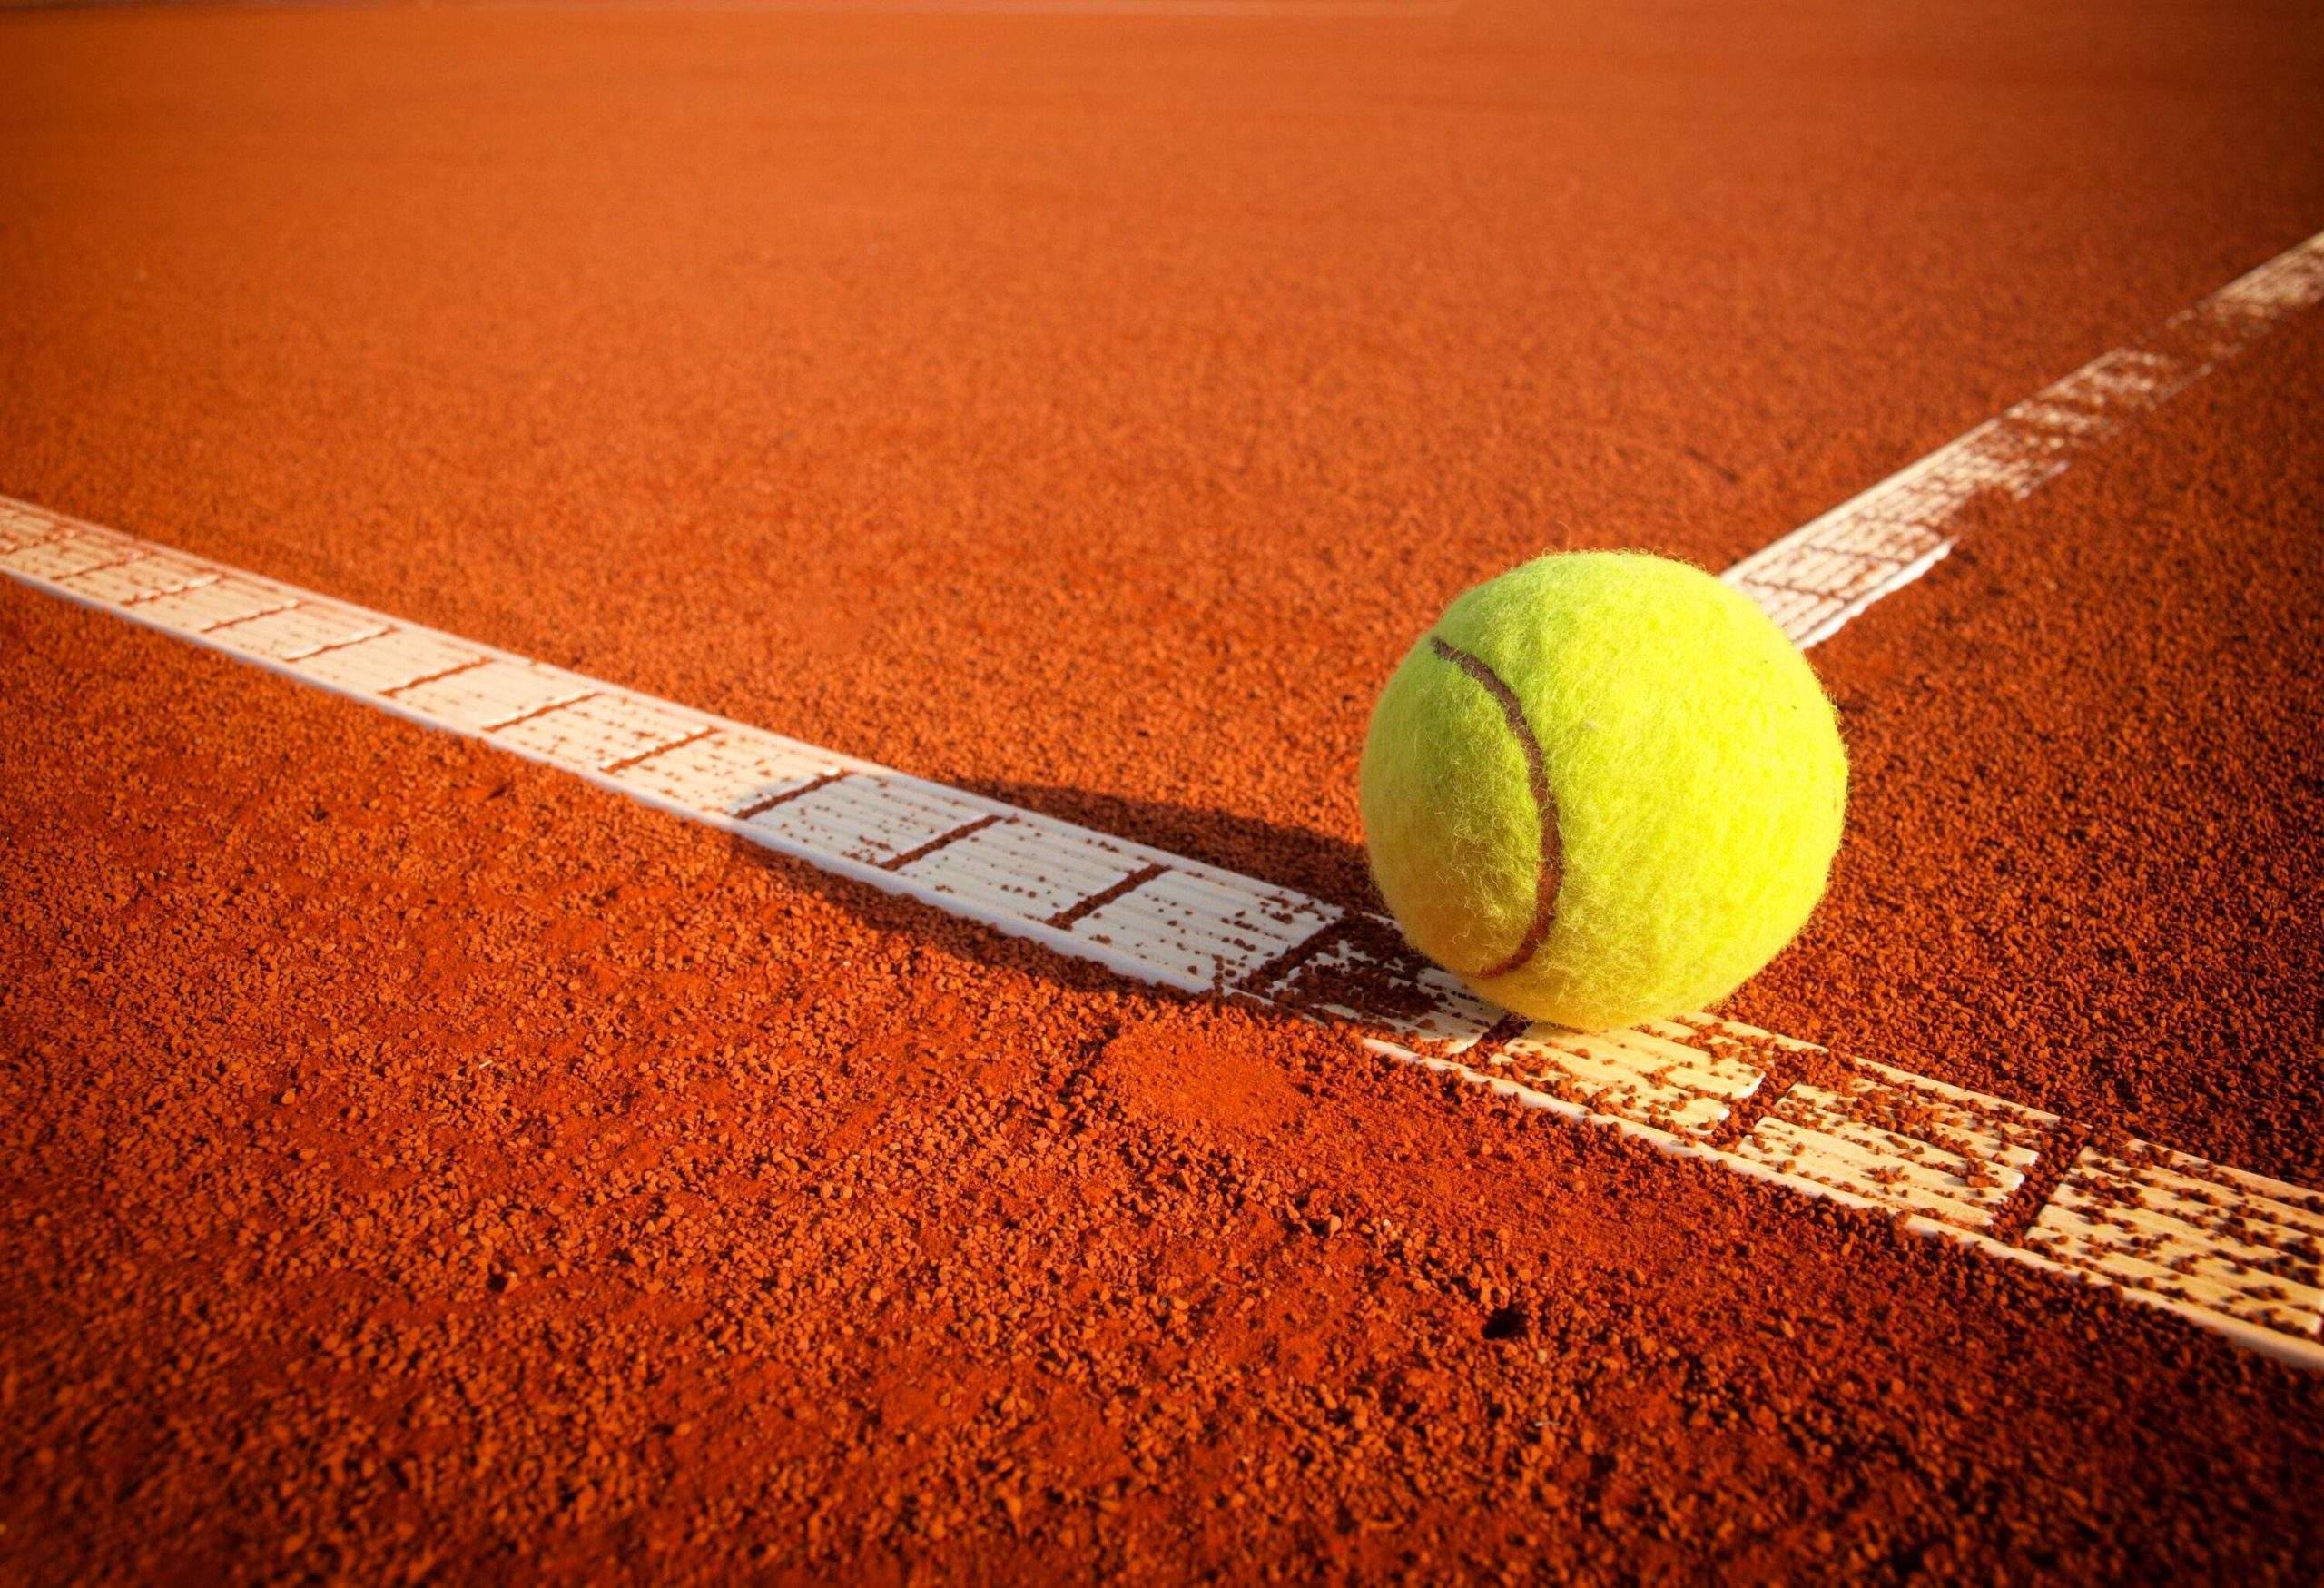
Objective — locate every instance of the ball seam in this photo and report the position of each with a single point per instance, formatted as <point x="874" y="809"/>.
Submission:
<point x="1537" y="782"/>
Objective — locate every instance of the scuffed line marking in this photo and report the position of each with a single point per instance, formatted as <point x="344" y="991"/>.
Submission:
<point x="1890" y="534"/>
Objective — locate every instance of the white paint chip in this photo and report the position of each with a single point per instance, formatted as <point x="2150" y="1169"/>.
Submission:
<point x="2238" y="1244"/>
<point x="1025" y="866"/>
<point x="871" y="819"/>
<point x="601" y="731"/>
<point x="294" y="633"/>
<point x="493" y="695"/>
<point x="731" y="770"/>
<point x="198" y="609"/>
<point x="1373" y="978"/>
<point x="140" y="579"/>
<point x="64" y="555"/>
<point x="1648" y="1081"/>
<point x="1198" y="932"/>
<point x="390" y="661"/>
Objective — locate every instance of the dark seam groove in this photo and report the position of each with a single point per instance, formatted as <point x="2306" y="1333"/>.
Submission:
<point x="1537" y="780"/>
<point x="98" y="567"/>
<point x="626" y="761"/>
<point x="1282" y="965"/>
<point x="1487" y="1048"/>
<point x="759" y="807"/>
<point x="2053" y="1160"/>
<point x="525" y="717"/>
<point x="1746" y="1114"/>
<point x="898" y="862"/>
<point x="338" y="645"/>
<point x="199" y="582"/>
<point x="393" y="690"/>
<point x="245" y="617"/>
<point x="1107" y="895"/>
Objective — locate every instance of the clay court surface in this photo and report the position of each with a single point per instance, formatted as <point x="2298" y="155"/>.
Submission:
<point x="420" y="1165"/>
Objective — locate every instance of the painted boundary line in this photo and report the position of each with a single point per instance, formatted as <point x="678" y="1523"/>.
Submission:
<point x="1830" y="570"/>
<point x="2233" y="1252"/>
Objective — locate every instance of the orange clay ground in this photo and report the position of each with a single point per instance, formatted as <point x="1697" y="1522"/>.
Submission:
<point x="419" y="1164"/>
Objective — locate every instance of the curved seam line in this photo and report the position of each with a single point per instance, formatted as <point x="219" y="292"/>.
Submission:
<point x="1536" y="781"/>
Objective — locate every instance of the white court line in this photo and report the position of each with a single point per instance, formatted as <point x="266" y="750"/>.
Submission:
<point x="1826" y="572"/>
<point x="2233" y="1252"/>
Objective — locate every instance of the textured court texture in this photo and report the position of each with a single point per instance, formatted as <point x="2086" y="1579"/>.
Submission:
<point x="1830" y="570"/>
<point x="2236" y="1253"/>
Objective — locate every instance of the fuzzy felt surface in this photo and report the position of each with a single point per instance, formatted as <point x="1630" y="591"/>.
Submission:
<point x="1694" y="773"/>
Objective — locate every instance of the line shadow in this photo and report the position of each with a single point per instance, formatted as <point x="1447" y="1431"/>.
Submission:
<point x="1298" y="858"/>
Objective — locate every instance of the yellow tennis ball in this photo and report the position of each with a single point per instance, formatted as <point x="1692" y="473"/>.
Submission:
<point x="1603" y="789"/>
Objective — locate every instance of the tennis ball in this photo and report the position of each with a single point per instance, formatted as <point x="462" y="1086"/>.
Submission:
<point x="1603" y="789"/>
